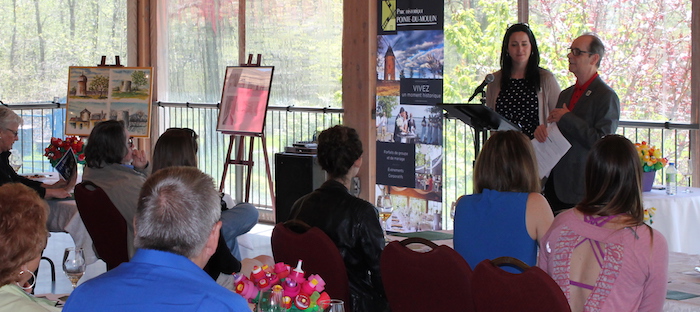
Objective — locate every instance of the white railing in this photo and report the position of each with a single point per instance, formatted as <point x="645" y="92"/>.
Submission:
<point x="286" y="125"/>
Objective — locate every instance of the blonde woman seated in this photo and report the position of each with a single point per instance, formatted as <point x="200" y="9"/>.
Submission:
<point x="506" y="215"/>
<point x="601" y="253"/>
<point x="23" y="236"/>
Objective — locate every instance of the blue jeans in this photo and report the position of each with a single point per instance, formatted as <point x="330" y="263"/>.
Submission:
<point x="235" y="222"/>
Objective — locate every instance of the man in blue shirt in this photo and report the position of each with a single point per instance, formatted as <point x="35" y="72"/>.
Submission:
<point x="176" y="231"/>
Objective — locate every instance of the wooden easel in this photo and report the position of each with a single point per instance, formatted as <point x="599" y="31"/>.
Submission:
<point x="103" y="62"/>
<point x="240" y="152"/>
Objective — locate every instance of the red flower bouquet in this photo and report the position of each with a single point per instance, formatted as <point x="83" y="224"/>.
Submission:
<point x="57" y="148"/>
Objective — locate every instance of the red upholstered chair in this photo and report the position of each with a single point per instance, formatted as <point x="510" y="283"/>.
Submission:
<point x="532" y="290"/>
<point x="294" y="240"/>
<point x="436" y="280"/>
<point x="104" y="223"/>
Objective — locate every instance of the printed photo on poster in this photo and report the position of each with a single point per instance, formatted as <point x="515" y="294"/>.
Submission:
<point x="102" y="93"/>
<point x="388" y="83"/>
<point x="416" y="124"/>
<point x="244" y="99"/>
<point x="405" y="209"/>
<point x="429" y="168"/>
<point x="410" y="54"/>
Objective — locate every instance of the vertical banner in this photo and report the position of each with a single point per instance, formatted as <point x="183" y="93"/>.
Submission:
<point x="410" y="60"/>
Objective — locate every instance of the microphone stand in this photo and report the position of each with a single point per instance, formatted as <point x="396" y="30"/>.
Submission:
<point x="480" y="131"/>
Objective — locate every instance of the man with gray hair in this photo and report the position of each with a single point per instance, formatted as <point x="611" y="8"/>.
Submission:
<point x="585" y="112"/>
<point x="176" y="231"/>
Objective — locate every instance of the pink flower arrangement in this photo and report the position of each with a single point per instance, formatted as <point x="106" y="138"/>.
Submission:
<point x="295" y="291"/>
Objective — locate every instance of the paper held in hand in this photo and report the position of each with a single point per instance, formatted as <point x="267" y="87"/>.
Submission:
<point x="550" y="151"/>
<point x="67" y="165"/>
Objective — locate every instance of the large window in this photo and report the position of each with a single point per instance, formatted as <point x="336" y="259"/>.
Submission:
<point x="647" y="62"/>
<point x="648" y="48"/>
<point x="473" y="35"/>
<point x="197" y="40"/>
<point x="41" y="38"/>
<point x="301" y="38"/>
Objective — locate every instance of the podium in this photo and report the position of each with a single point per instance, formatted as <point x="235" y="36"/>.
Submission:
<point x="481" y="118"/>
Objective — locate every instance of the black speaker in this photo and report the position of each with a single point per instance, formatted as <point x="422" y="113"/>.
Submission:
<point x="295" y="176"/>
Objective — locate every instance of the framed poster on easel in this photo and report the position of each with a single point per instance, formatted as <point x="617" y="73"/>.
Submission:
<point x="242" y="112"/>
<point x="244" y="99"/>
<point x="109" y="93"/>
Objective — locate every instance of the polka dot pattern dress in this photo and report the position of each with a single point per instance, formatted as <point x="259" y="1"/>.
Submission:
<point x="518" y="103"/>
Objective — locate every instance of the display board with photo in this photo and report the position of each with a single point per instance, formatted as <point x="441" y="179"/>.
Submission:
<point x="244" y="99"/>
<point x="410" y="60"/>
<point x="109" y="93"/>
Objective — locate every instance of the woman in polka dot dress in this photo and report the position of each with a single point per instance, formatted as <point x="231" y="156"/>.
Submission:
<point x="530" y="92"/>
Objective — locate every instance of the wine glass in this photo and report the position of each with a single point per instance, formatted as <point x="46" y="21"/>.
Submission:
<point x="73" y="264"/>
<point x="270" y="300"/>
<point x="687" y="172"/>
<point x="15" y="160"/>
<point x="333" y="305"/>
<point x="384" y="214"/>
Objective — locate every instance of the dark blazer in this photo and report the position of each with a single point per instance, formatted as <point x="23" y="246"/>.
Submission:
<point x="596" y="114"/>
<point x="8" y="175"/>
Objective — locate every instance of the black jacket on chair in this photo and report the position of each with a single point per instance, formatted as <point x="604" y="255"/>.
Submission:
<point x="353" y="224"/>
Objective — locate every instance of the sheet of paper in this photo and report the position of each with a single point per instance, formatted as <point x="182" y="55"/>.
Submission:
<point x="551" y="150"/>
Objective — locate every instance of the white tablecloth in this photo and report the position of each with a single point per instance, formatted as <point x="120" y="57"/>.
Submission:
<point x="64" y="217"/>
<point x="677" y="218"/>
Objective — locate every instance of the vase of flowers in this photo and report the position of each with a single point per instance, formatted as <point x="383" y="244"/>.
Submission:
<point x="652" y="161"/>
<point x="295" y="290"/>
<point x="57" y="148"/>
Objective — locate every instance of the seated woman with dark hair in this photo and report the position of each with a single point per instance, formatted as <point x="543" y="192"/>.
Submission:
<point x="352" y="223"/>
<point x="117" y="169"/>
<point x="506" y="215"/>
<point x="23" y="237"/>
<point x="601" y="253"/>
<point x="178" y="147"/>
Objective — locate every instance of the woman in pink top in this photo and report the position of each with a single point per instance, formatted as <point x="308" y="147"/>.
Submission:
<point x="600" y="252"/>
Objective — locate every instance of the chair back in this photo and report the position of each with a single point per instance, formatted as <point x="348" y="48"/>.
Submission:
<point x="434" y="280"/>
<point x="294" y="240"/>
<point x="532" y="290"/>
<point x="104" y="223"/>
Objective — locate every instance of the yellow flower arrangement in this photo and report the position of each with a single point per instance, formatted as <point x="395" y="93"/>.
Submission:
<point x="648" y="214"/>
<point x="650" y="157"/>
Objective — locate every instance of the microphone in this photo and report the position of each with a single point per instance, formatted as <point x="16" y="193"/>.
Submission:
<point x="489" y="79"/>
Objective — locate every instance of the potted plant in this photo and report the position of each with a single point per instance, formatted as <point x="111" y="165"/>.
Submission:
<point x="652" y="161"/>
